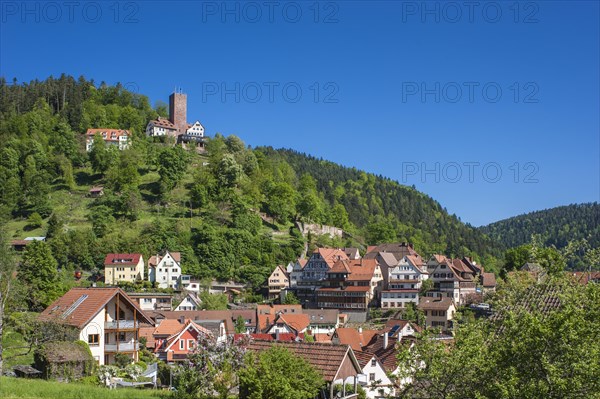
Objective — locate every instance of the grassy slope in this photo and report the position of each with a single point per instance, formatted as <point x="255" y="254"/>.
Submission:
<point x="12" y="388"/>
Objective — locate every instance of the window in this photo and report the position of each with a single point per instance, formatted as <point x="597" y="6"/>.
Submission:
<point x="181" y="344"/>
<point x="122" y="337"/>
<point x="372" y="377"/>
<point x="94" y="339"/>
<point x="191" y="344"/>
<point x="373" y="362"/>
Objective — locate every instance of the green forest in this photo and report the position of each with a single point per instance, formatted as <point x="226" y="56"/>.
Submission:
<point x="232" y="212"/>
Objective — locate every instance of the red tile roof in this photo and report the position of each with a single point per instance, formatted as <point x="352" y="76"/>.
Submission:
<point x="299" y="322"/>
<point x="351" y="336"/>
<point x="270" y="337"/>
<point x="107" y="134"/>
<point x="387" y="355"/>
<point x="327" y="359"/>
<point x="489" y="280"/>
<point x="163" y="122"/>
<point x="80" y="305"/>
<point x="331" y="255"/>
<point x="122" y="259"/>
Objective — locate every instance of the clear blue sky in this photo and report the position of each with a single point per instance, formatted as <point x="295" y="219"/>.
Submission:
<point x="394" y="88"/>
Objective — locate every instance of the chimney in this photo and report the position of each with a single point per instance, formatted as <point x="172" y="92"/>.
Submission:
<point x="360" y="330"/>
<point x="385" y="340"/>
<point x="277" y="335"/>
<point x="182" y="319"/>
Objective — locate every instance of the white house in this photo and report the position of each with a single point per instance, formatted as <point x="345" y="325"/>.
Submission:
<point x="189" y="302"/>
<point x="379" y="384"/>
<point x="161" y="127"/>
<point x="107" y="319"/>
<point x="165" y="270"/>
<point x="404" y="283"/>
<point x="195" y="129"/>
<point x="152" y="300"/>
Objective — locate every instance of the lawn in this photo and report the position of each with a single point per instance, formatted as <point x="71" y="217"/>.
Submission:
<point x="13" y="388"/>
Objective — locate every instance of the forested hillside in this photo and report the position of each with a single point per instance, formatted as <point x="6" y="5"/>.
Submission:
<point x="231" y="211"/>
<point x="556" y="226"/>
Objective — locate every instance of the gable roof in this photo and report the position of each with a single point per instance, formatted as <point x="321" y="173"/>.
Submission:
<point x="163" y="122"/>
<point x="80" y="305"/>
<point x="122" y="259"/>
<point x="489" y="280"/>
<point x="189" y="325"/>
<point x="388" y="258"/>
<point x="400" y="324"/>
<point x="364" y="358"/>
<point x="387" y="355"/>
<point x="356" y="339"/>
<point x="331" y="255"/>
<point x="155" y="259"/>
<point x="109" y="133"/>
<point x="362" y="269"/>
<point x="298" y="322"/>
<point x="429" y="303"/>
<point x="266" y="313"/>
<point x="327" y="359"/>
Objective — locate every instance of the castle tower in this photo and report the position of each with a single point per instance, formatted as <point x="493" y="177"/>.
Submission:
<point x="178" y="111"/>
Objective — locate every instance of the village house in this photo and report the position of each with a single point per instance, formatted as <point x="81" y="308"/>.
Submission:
<point x="123" y="268"/>
<point x="266" y="314"/>
<point x="379" y="384"/>
<point x="112" y="137"/>
<point x="152" y="300"/>
<point x="314" y="274"/>
<point x="107" y="319"/>
<point x="439" y="312"/>
<point x="351" y="285"/>
<point x="174" y="340"/>
<point x="404" y="283"/>
<point x="289" y="324"/>
<point x="294" y="271"/>
<point x="356" y="338"/>
<point x="20" y="245"/>
<point x="388" y="255"/>
<point x="229" y="317"/>
<point x="191" y="301"/>
<point x="278" y="281"/>
<point x="337" y="364"/>
<point x="451" y="278"/>
<point x="324" y="321"/>
<point x="165" y="270"/>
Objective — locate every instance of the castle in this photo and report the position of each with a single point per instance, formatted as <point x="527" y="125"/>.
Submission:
<point x="177" y="126"/>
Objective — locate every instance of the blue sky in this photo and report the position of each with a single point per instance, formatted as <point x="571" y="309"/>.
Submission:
<point x="491" y="110"/>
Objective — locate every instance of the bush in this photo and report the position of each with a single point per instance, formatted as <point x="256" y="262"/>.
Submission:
<point x="34" y="221"/>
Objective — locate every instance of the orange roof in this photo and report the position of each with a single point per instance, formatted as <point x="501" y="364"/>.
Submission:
<point x="302" y="262"/>
<point x="168" y="327"/>
<point x="331" y="255"/>
<point x="107" y="134"/>
<point x="267" y="313"/>
<point x="299" y="322"/>
<point x="80" y="305"/>
<point x="148" y="333"/>
<point x="443" y="303"/>
<point x="357" y="340"/>
<point x="322" y="337"/>
<point x="362" y="269"/>
<point x="163" y="122"/>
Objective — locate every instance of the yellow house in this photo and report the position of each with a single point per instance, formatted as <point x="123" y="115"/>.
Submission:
<point x="123" y="267"/>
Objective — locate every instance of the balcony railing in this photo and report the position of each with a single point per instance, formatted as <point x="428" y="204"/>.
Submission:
<point x="122" y="347"/>
<point x="121" y="325"/>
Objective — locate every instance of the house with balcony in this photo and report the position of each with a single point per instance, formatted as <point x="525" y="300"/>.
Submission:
<point x="112" y="137"/>
<point x="107" y="319"/>
<point x="314" y="274"/>
<point x="452" y="278"/>
<point x="404" y="283"/>
<point x="351" y="285"/>
<point x="165" y="270"/>
<point x="152" y="300"/>
<point x="123" y="268"/>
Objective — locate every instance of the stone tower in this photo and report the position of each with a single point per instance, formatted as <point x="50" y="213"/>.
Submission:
<point x="178" y="111"/>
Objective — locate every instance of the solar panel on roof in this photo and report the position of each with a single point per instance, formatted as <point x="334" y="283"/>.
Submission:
<point x="74" y="306"/>
<point x="394" y="329"/>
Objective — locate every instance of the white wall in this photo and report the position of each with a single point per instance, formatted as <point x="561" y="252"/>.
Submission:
<point x="95" y="326"/>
